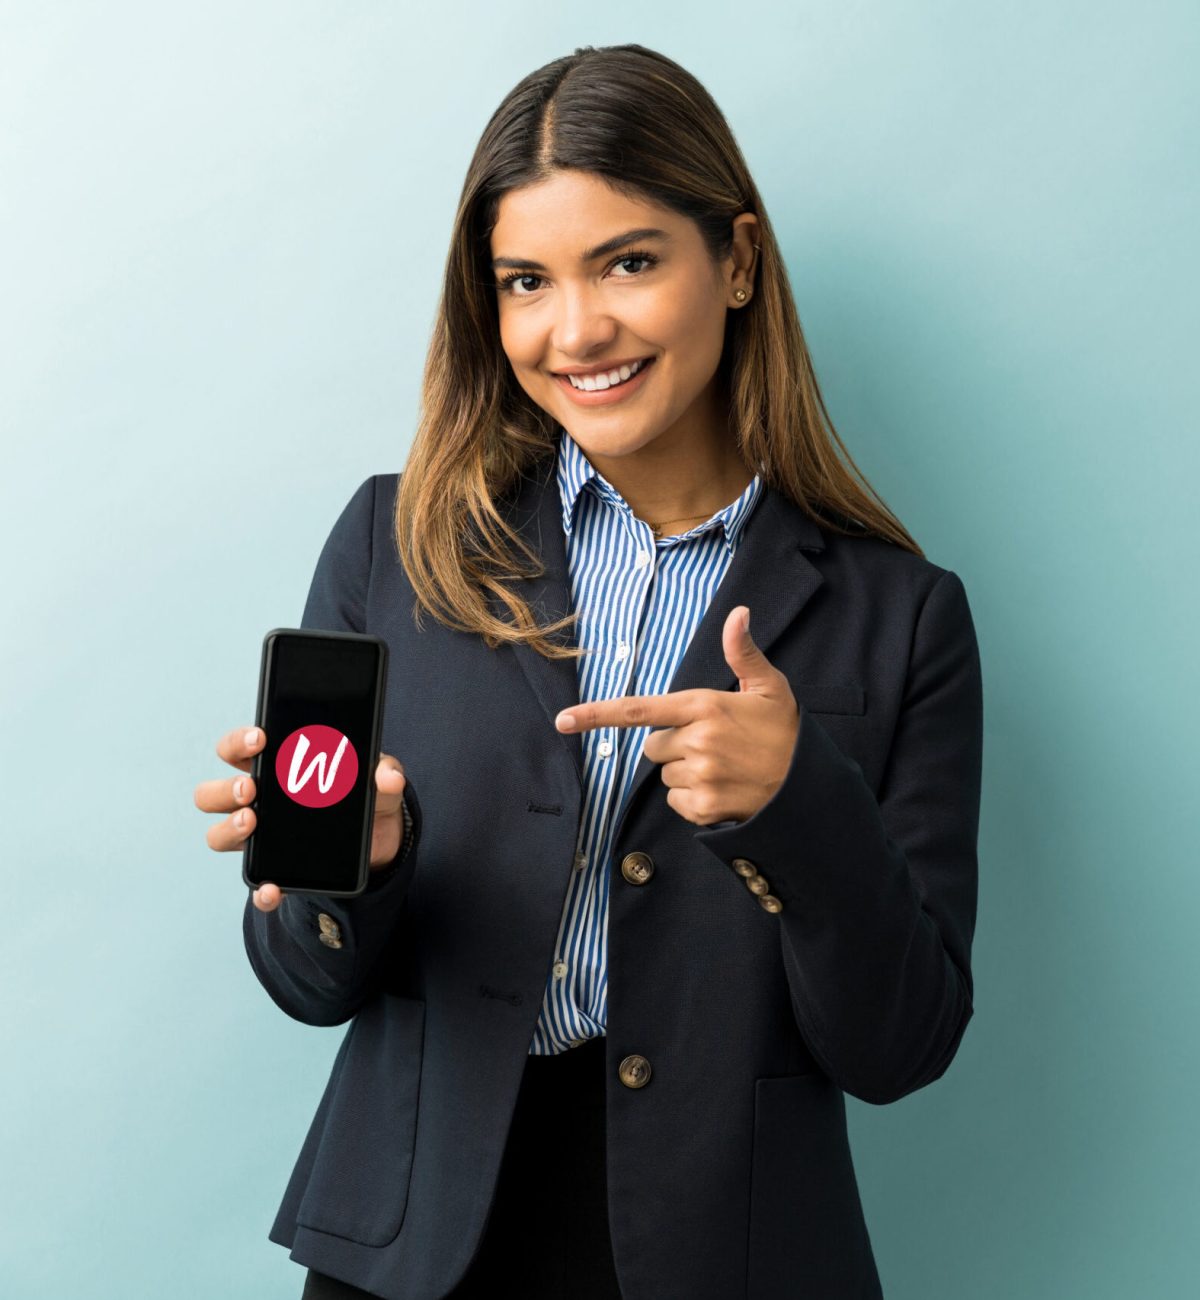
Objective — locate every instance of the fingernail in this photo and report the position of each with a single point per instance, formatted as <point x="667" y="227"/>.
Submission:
<point x="251" y="737"/>
<point x="566" y="721"/>
<point x="240" y="819"/>
<point x="238" y="786"/>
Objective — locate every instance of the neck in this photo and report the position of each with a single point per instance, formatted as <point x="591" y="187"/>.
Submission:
<point x="678" y="479"/>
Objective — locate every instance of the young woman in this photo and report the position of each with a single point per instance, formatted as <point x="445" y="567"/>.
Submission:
<point x="652" y="889"/>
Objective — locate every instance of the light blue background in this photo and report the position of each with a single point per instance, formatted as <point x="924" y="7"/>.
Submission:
<point x="222" y="230"/>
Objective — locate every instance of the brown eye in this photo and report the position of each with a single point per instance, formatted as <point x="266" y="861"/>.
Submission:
<point x="506" y="285"/>
<point x="633" y="257"/>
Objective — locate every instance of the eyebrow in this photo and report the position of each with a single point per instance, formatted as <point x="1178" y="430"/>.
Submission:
<point x="588" y="254"/>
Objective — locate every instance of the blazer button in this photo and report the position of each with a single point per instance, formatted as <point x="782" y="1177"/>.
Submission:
<point x="637" y="868"/>
<point x="770" y="902"/>
<point x="634" y="1071"/>
<point x="744" y="867"/>
<point x="329" y="926"/>
<point x="329" y="940"/>
<point x="757" y="885"/>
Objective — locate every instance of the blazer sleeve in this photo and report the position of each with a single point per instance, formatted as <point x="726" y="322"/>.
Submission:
<point x="879" y="896"/>
<point x="312" y="982"/>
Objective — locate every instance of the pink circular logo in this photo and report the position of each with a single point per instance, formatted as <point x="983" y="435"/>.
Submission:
<point x="316" y="766"/>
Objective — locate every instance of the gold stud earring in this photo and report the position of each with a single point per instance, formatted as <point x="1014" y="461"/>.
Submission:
<point x="740" y="295"/>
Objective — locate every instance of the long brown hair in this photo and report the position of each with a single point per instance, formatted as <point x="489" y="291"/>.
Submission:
<point x="643" y="124"/>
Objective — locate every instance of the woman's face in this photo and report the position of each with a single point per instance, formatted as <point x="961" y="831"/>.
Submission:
<point x="577" y="291"/>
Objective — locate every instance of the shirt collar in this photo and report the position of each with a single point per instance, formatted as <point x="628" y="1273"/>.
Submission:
<point x="576" y="472"/>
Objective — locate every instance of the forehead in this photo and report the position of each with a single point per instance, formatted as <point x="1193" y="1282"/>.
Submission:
<point x="570" y="211"/>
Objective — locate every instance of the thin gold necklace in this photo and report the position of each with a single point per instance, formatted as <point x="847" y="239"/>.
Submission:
<point x="659" y="526"/>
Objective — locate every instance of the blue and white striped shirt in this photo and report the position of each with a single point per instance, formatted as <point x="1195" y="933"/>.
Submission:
<point x="639" y="600"/>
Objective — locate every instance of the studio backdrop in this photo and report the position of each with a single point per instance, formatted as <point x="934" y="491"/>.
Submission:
<point x="224" y="228"/>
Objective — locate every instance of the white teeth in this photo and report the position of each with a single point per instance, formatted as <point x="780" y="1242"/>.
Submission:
<point x="594" y="383"/>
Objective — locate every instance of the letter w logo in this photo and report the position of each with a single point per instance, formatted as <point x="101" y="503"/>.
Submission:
<point x="296" y="781"/>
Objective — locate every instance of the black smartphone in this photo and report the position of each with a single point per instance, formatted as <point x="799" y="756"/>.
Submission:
<point x="320" y="702"/>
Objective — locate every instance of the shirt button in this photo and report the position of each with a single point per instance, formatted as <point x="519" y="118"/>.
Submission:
<point x="641" y="559"/>
<point x="604" y="748"/>
<point x="622" y="651"/>
<point x="560" y="969"/>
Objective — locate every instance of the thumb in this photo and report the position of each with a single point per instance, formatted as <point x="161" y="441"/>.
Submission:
<point x="754" y="670"/>
<point x="389" y="785"/>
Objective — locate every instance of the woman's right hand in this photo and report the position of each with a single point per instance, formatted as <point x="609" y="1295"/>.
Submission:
<point x="233" y="794"/>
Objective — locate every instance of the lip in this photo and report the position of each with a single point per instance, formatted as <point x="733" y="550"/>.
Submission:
<point x="581" y="372"/>
<point x="606" y="396"/>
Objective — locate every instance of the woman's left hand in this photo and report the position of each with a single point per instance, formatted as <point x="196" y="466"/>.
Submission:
<point x="724" y="754"/>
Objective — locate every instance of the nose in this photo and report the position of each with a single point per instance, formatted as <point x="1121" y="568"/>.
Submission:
<point x="582" y="326"/>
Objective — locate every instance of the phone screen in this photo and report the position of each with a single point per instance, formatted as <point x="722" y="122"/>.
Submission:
<point x="320" y="702"/>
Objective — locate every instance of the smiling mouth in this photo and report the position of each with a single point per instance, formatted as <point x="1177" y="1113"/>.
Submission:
<point x="607" y="378"/>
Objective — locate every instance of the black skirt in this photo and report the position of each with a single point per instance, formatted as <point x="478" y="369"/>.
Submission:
<point x="554" y="1160"/>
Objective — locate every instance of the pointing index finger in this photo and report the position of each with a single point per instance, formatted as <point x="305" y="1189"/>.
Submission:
<point x="675" y="709"/>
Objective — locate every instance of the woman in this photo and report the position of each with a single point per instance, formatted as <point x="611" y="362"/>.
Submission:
<point x="611" y="979"/>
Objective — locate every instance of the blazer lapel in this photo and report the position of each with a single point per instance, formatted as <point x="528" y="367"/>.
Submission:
<point x="769" y="573"/>
<point x="537" y="515"/>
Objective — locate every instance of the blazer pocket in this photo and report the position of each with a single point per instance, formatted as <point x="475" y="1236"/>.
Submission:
<point x="358" y="1185"/>
<point x="806" y="1220"/>
<point x="831" y="697"/>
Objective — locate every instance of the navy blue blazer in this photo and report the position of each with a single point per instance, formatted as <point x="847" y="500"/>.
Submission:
<point x="729" y="1172"/>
